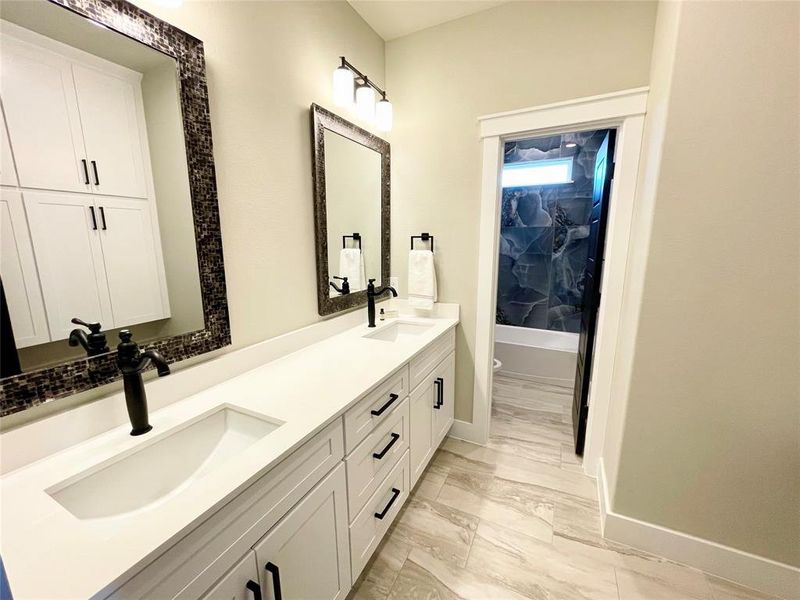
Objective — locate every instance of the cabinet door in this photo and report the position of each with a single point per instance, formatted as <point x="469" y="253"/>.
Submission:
<point x="111" y="132"/>
<point x="423" y="399"/>
<point x="306" y="555"/>
<point x="132" y="262"/>
<point x="42" y="117"/>
<point x="67" y="248"/>
<point x="20" y="278"/>
<point x="443" y="415"/>
<point x="240" y="583"/>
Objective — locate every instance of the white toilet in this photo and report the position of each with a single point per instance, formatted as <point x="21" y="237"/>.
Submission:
<point x="497" y="365"/>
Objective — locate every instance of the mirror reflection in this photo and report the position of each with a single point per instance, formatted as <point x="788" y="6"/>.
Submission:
<point x="97" y="230"/>
<point x="353" y="206"/>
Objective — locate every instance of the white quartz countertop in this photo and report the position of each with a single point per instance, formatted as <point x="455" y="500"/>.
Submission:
<point x="49" y="553"/>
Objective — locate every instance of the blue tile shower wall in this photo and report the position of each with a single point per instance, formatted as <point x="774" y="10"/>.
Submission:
<point x="544" y="237"/>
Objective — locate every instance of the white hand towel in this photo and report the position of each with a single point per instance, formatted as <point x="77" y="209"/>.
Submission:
<point x="351" y="265"/>
<point x="421" y="279"/>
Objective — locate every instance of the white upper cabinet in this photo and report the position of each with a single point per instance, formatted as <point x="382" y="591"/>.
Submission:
<point x="111" y="135"/>
<point x="66" y="236"/>
<point x="18" y="270"/>
<point x="8" y="173"/>
<point x="131" y="262"/>
<point x="42" y="116"/>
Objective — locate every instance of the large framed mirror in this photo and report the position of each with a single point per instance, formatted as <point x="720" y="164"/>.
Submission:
<point x="351" y="210"/>
<point x="109" y="215"/>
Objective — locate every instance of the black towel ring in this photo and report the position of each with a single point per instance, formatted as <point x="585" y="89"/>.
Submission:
<point x="425" y="237"/>
<point x="356" y="238"/>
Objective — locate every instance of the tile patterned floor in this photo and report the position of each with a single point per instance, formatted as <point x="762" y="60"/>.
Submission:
<point x="519" y="519"/>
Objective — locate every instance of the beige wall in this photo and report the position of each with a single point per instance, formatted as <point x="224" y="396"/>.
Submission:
<point x="711" y="434"/>
<point x="440" y="80"/>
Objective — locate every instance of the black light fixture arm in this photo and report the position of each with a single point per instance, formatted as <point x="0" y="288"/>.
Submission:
<point x="367" y="81"/>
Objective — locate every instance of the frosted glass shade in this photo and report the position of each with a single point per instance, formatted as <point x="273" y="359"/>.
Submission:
<point x="343" y="87"/>
<point x="383" y="115"/>
<point x="365" y="102"/>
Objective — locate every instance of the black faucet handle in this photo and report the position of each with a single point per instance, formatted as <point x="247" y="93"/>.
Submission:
<point x="92" y="327"/>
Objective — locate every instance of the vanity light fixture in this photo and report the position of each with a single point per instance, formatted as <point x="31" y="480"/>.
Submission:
<point x="351" y="87"/>
<point x="570" y="145"/>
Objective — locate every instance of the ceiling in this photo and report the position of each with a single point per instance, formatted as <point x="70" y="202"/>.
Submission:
<point x="395" y="18"/>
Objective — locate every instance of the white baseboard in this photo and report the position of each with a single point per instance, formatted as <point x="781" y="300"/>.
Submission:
<point x="743" y="568"/>
<point x="558" y="381"/>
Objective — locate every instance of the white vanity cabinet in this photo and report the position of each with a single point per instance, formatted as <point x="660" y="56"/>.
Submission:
<point x="76" y="134"/>
<point x="306" y="529"/>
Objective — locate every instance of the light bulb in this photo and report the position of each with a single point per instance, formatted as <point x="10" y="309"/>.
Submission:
<point x="343" y="86"/>
<point x="383" y="115"/>
<point x="365" y="102"/>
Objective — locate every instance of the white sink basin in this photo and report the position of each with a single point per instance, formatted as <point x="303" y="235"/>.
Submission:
<point x="135" y="481"/>
<point x="399" y="330"/>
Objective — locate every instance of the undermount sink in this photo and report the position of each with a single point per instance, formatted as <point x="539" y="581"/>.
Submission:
<point x="399" y="330"/>
<point x="132" y="482"/>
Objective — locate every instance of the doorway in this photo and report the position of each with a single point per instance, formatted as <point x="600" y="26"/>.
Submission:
<point x="553" y="212"/>
<point x="623" y="111"/>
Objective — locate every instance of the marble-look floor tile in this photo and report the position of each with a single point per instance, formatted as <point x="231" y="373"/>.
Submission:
<point x="634" y="585"/>
<point x="426" y="578"/>
<point x="506" y="437"/>
<point x="457" y="454"/>
<point x="527" y="508"/>
<point x="569" y="460"/>
<point x="381" y="572"/>
<point x="577" y="518"/>
<point x="535" y="569"/>
<point x="722" y="589"/>
<point x="440" y="530"/>
<point x="552" y="431"/>
<point x="430" y="482"/>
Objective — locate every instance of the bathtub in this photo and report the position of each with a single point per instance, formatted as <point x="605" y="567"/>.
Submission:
<point x="537" y="354"/>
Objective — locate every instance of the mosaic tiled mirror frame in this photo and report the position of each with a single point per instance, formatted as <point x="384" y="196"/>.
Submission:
<point x="322" y="119"/>
<point x="29" y="389"/>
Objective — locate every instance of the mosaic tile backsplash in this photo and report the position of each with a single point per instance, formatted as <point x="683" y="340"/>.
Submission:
<point x="544" y="236"/>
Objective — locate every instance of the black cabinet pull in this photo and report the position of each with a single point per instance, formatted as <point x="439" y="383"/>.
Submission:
<point x="103" y="217"/>
<point x="276" y="580"/>
<point x="438" y="385"/>
<point x="441" y="386"/>
<point x="255" y="588"/>
<point x="395" y="495"/>
<point x="94" y="170"/>
<point x="94" y="218"/>
<point x="382" y="453"/>
<point x="382" y="409"/>
<point x="85" y="171"/>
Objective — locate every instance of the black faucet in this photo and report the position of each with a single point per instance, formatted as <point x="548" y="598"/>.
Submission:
<point x="371" y="294"/>
<point x="94" y="343"/>
<point x="345" y="289"/>
<point x="132" y="362"/>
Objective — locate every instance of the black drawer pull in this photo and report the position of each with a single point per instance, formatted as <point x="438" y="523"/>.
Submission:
<point x="395" y="496"/>
<point x="276" y="580"/>
<point x="103" y="217"/>
<point x="382" y="453"/>
<point x="255" y="588"/>
<point x="382" y="409"/>
<point x="94" y="218"/>
<point x="441" y="390"/>
<point x="96" y="178"/>
<point x="85" y="171"/>
<point x="438" y="385"/>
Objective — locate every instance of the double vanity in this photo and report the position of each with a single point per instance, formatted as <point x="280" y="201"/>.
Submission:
<point x="279" y="482"/>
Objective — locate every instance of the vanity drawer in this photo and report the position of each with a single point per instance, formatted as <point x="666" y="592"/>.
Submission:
<point x="369" y="464"/>
<point x="426" y="360"/>
<point x="192" y="565"/>
<point x="374" y="408"/>
<point x="374" y="520"/>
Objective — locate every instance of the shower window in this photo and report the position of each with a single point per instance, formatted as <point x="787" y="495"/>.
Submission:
<point x="542" y="172"/>
<point x="546" y="206"/>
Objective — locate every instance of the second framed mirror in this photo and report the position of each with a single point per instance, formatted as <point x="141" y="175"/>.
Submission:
<point x="351" y="210"/>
